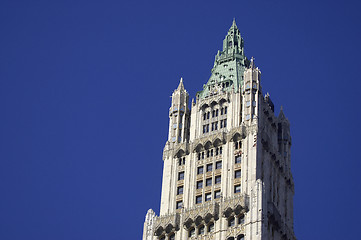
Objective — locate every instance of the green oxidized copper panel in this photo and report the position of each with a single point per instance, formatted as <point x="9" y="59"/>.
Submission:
<point x="229" y="65"/>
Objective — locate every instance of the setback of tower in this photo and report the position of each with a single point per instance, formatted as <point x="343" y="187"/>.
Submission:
<point x="226" y="171"/>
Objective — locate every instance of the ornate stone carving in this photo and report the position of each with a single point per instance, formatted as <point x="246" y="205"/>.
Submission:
<point x="166" y="223"/>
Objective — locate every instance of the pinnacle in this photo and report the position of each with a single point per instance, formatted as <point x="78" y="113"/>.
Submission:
<point x="180" y="86"/>
<point x="234" y="25"/>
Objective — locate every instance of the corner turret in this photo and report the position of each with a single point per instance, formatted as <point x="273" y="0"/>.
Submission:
<point x="179" y="115"/>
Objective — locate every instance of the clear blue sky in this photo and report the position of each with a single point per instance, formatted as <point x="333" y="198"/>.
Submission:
<point x="84" y="98"/>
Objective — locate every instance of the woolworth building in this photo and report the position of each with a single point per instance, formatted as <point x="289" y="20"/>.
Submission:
<point x="227" y="161"/>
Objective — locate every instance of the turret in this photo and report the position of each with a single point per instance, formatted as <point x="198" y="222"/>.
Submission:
<point x="284" y="138"/>
<point x="179" y="115"/>
<point x="251" y="91"/>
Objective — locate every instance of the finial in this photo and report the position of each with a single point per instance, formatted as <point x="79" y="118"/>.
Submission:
<point x="181" y="86"/>
<point x="252" y="63"/>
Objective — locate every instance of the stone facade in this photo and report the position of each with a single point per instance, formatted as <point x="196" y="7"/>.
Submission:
<point x="227" y="163"/>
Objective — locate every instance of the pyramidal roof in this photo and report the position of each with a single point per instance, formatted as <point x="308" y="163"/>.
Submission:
<point x="229" y="65"/>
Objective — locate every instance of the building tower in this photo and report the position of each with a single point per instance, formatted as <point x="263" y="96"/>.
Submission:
<point x="226" y="172"/>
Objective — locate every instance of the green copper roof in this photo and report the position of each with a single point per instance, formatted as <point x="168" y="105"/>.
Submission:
<point x="229" y="65"/>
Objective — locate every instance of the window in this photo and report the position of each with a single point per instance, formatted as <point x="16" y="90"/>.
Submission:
<point x="204" y="116"/>
<point x="248" y="103"/>
<point x="237" y="188"/>
<point x="199" y="184"/>
<point x="209" y="167"/>
<point x="238" y="159"/>
<point x="199" y="199"/>
<point x="209" y="182"/>
<point x="216" y="126"/>
<point x="172" y="237"/>
<point x="201" y="230"/>
<point x="240" y="237"/>
<point x="208" y="197"/>
<point x="217" y="113"/>
<point x="231" y="222"/>
<point x="217" y="194"/>
<point x="217" y="151"/>
<point x="191" y="232"/>
<point x="211" y="152"/>
<point x="225" y="110"/>
<point x="222" y="111"/>
<point x="179" y="190"/>
<point x="180" y="175"/>
<point x="213" y="113"/>
<point x="220" y="150"/>
<point x="241" y="219"/>
<point x="237" y="174"/>
<point x="207" y="115"/>
<point x="200" y="170"/>
<point x="217" y="179"/>
<point x="248" y="117"/>
<point x="219" y="165"/>
<point x="225" y="123"/>
<point x="199" y="156"/>
<point x="202" y="155"/>
<point x="179" y="204"/>
<point x="212" y="127"/>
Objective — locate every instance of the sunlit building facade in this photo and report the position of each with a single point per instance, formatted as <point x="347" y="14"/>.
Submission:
<point x="226" y="173"/>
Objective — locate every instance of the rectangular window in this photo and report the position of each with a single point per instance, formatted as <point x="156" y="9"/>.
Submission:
<point x="204" y="116"/>
<point x="216" y="126"/>
<point x="217" y="150"/>
<point x="217" y="180"/>
<point x="238" y="159"/>
<point x="221" y="111"/>
<point x="225" y="110"/>
<point x="199" y="199"/>
<point x="207" y="128"/>
<point x="237" y="174"/>
<point x="200" y="170"/>
<point x="225" y="123"/>
<point x="217" y="113"/>
<point x="221" y="124"/>
<point x="209" y="182"/>
<point x="212" y="127"/>
<point x="209" y="167"/>
<point x="199" y="184"/>
<point x="217" y="194"/>
<point x="219" y="165"/>
<point x="208" y="197"/>
<point x="207" y="115"/>
<point x="213" y="113"/>
<point x="211" y="152"/>
<point x="237" y="188"/>
<point x="199" y="156"/>
<point x="180" y="175"/>
<point x="220" y="150"/>
<point x="179" y="204"/>
<point x="180" y="190"/>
